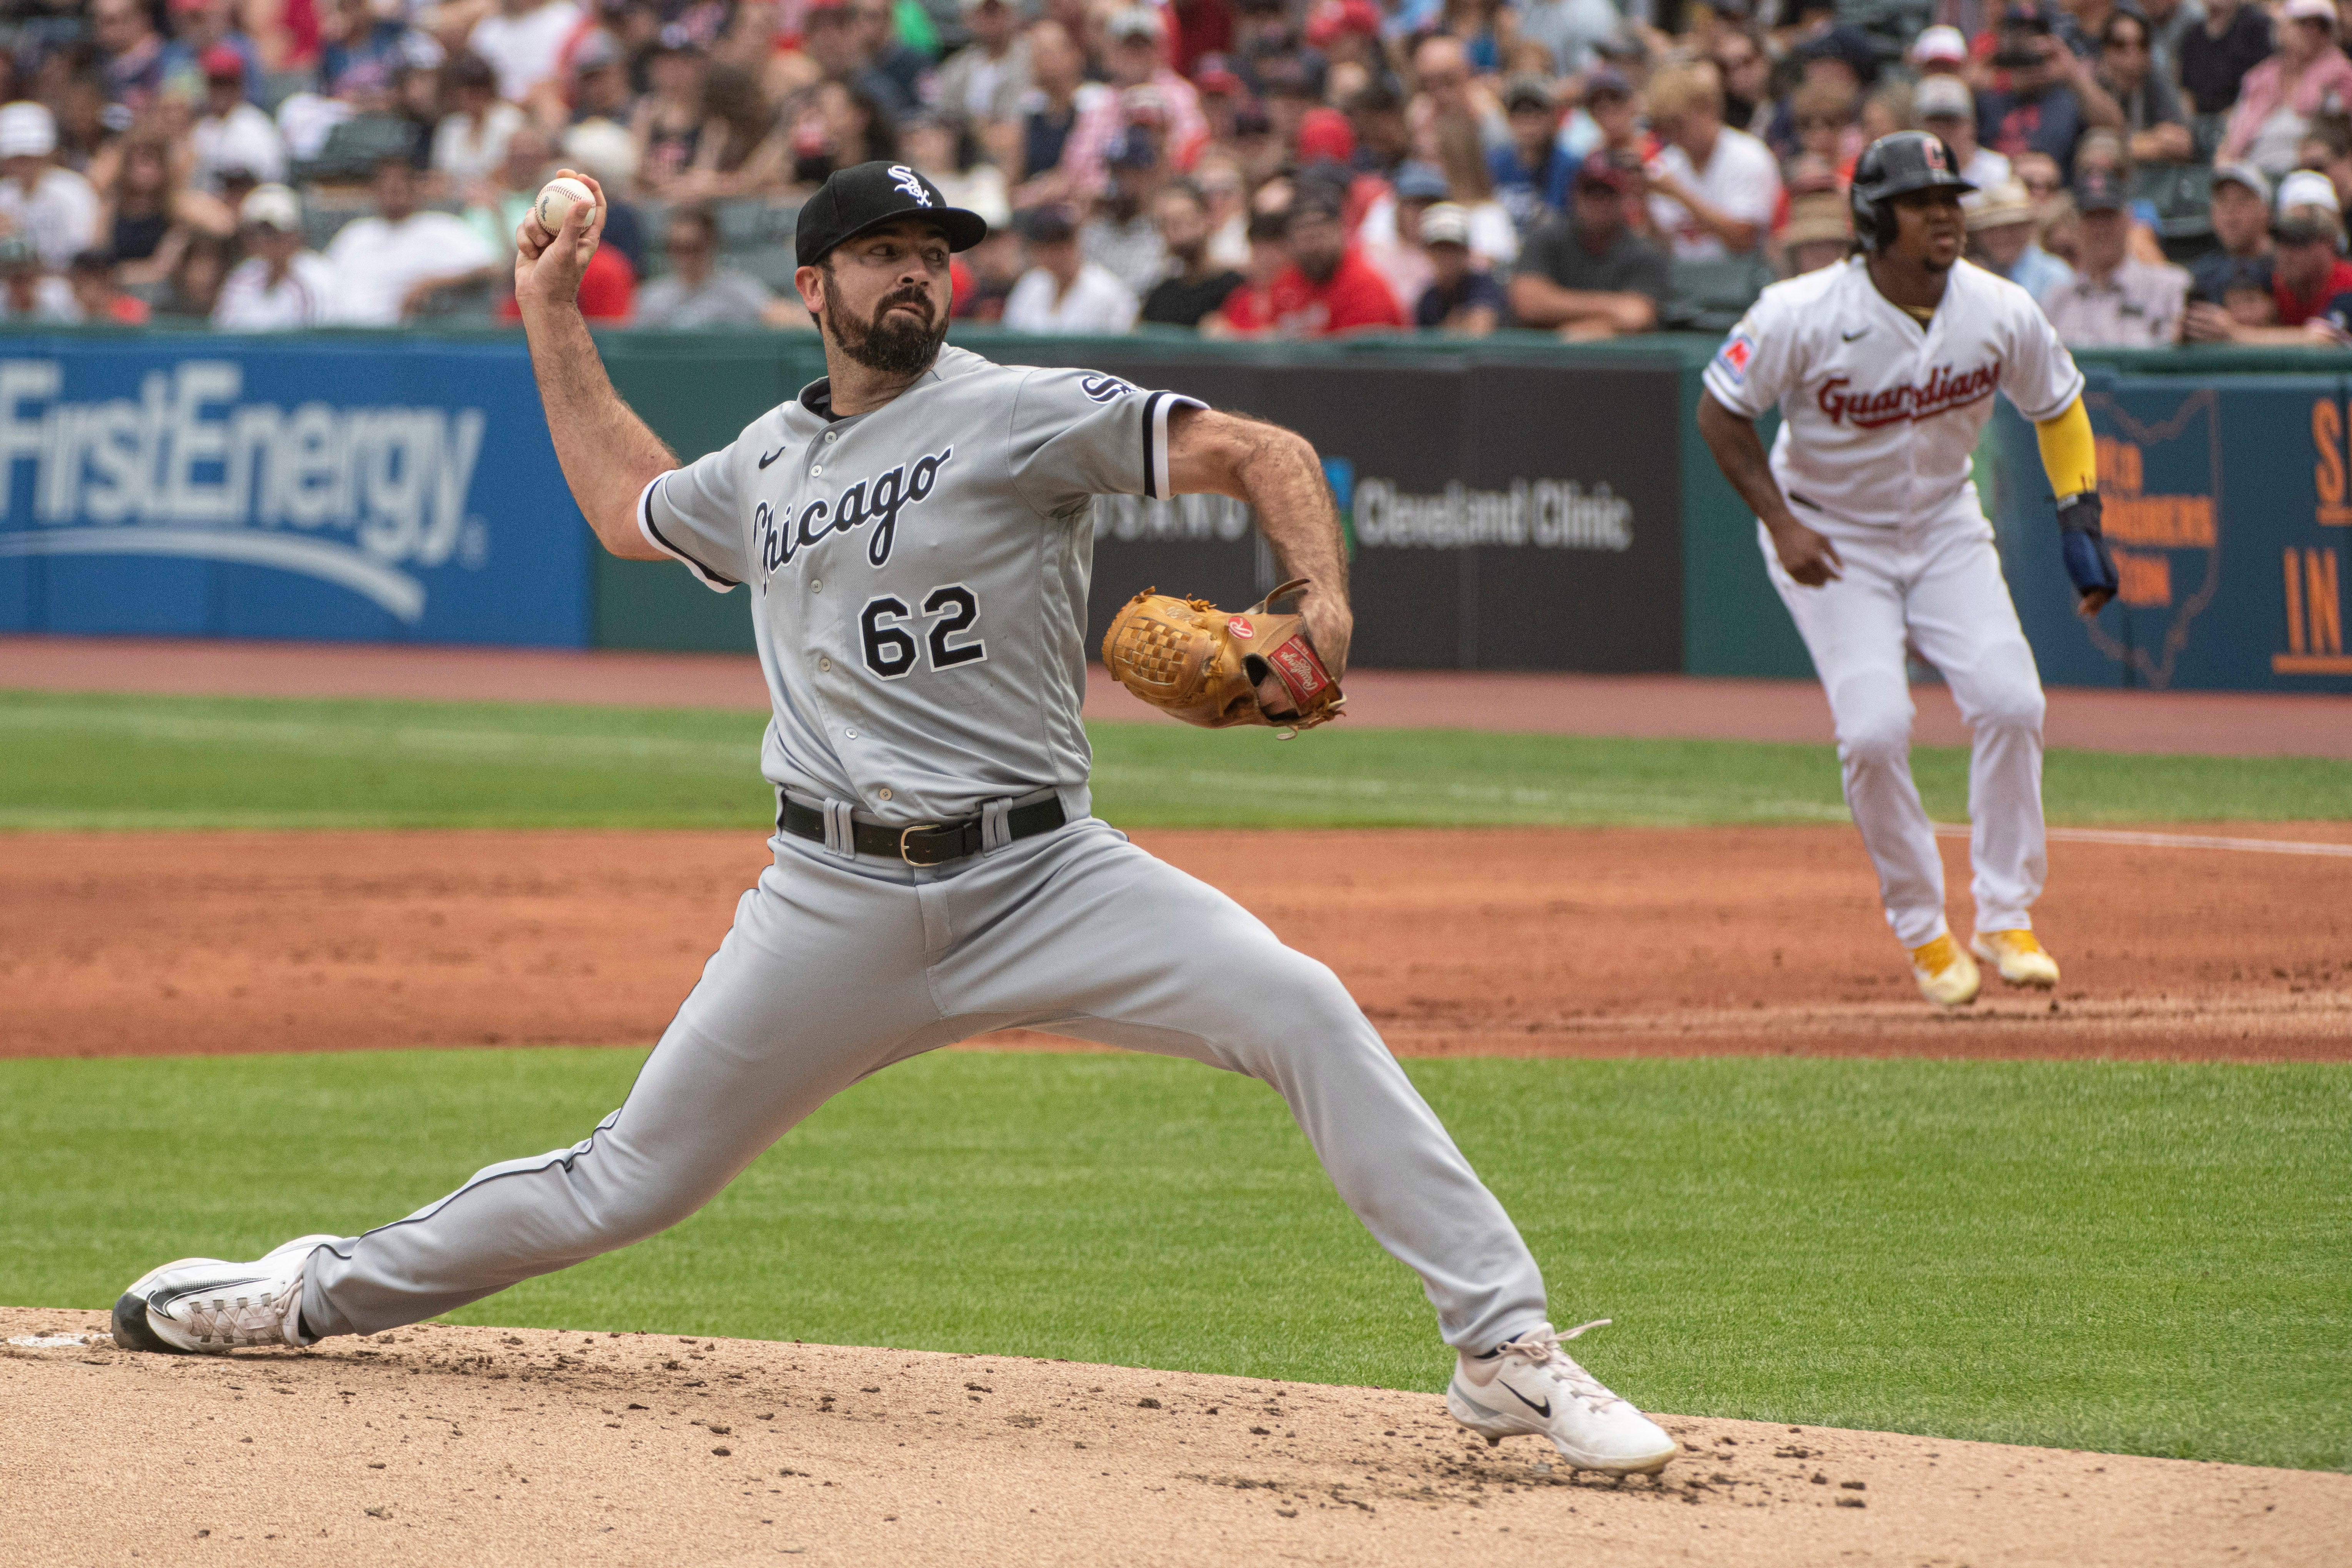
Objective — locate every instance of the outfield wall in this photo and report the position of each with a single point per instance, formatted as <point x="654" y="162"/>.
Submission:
<point x="1516" y="503"/>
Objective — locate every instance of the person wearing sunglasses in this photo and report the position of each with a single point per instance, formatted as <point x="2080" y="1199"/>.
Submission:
<point x="2156" y="128"/>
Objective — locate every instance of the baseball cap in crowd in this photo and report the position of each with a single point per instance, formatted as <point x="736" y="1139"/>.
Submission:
<point x="2310" y="11"/>
<point x="271" y="206"/>
<point x="2099" y="191"/>
<point x="2244" y="174"/>
<point x="1047" y="226"/>
<point x="1606" y="82"/>
<point x="2298" y="194"/>
<point x="1939" y="46"/>
<point x="1848" y="44"/>
<point x="1446" y="223"/>
<point x="2005" y="203"/>
<point x="596" y="51"/>
<point x="1526" y="90"/>
<point x="1419" y="182"/>
<point x="858" y="199"/>
<point x="1823" y="215"/>
<point x="1324" y="134"/>
<point x="1336" y="18"/>
<point x="2029" y="16"/>
<point x="26" y="131"/>
<point x="1315" y="200"/>
<point x="221" y="63"/>
<point x="1946" y="97"/>
<point x="1134" y="24"/>
<point x="1600" y="172"/>
<point x="1212" y="76"/>
<point x="675" y="40"/>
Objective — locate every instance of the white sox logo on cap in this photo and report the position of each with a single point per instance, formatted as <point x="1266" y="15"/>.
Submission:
<point x="911" y="182"/>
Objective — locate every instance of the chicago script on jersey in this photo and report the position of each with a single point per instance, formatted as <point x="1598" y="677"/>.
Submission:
<point x="877" y="500"/>
<point x="1942" y="391"/>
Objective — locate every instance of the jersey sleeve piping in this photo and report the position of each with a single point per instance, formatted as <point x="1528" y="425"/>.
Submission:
<point x="1156" y="410"/>
<point x="645" y="525"/>
<point x="2074" y="390"/>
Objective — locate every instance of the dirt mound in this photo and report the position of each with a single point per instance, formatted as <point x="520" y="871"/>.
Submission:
<point x="1493" y="942"/>
<point x="452" y="1445"/>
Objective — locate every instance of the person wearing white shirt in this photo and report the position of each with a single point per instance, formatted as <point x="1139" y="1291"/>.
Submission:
<point x="55" y="207"/>
<point x="1947" y="109"/>
<point x="232" y="133"/>
<point x="387" y="265"/>
<point x="1061" y="292"/>
<point x="1714" y="189"/>
<point x="523" y="40"/>
<point x="280" y="284"/>
<point x="471" y="140"/>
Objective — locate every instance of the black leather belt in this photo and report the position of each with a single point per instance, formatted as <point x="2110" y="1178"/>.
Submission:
<point x="925" y="843"/>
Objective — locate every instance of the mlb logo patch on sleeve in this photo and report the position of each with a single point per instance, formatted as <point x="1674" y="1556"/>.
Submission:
<point x="1736" y="350"/>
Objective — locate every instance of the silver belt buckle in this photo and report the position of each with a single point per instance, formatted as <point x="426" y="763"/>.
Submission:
<point x="918" y="827"/>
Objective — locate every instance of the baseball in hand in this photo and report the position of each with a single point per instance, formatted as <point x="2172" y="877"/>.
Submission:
<point x="557" y="198"/>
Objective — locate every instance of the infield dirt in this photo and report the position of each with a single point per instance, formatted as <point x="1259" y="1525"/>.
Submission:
<point x="1488" y="941"/>
<point x="456" y="1446"/>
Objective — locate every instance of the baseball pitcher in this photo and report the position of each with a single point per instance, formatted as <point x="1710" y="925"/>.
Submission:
<point x="1884" y="367"/>
<point x="914" y="530"/>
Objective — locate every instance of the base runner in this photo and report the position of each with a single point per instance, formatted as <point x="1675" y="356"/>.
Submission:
<point x="1884" y="367"/>
<point x="915" y="532"/>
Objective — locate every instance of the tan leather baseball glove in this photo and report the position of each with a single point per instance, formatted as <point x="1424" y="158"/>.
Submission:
<point x="1206" y="667"/>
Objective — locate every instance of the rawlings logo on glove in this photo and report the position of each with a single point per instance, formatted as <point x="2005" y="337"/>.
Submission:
<point x="1191" y="659"/>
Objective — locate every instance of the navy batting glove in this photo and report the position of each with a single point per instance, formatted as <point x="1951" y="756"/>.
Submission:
<point x="2088" y="565"/>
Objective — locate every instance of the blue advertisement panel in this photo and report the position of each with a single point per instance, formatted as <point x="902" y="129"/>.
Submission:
<point x="2225" y="506"/>
<point x="381" y="490"/>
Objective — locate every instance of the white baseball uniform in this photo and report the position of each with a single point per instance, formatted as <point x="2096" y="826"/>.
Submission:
<point x="1880" y="416"/>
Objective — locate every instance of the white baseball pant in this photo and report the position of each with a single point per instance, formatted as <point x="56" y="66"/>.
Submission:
<point x="1937" y="586"/>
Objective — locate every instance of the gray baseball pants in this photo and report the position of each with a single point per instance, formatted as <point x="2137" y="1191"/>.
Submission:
<point x="837" y="967"/>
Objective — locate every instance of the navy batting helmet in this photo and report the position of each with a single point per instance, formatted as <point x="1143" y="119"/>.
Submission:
<point x="1891" y="166"/>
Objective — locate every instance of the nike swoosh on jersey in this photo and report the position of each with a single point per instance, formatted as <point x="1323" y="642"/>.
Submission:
<point x="1842" y="337"/>
<point x="773" y="456"/>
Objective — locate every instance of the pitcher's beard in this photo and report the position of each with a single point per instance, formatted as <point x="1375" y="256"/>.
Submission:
<point x="885" y="342"/>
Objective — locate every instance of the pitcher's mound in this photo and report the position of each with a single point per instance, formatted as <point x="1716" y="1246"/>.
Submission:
<point x="449" y="1446"/>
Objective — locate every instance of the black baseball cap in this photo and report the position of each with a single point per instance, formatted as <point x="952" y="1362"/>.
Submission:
<point x="863" y="195"/>
<point x="2098" y="190"/>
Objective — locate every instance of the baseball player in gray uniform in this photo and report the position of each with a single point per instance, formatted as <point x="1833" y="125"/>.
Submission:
<point x="915" y="532"/>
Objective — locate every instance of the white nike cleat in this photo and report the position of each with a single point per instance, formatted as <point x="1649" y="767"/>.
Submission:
<point x="1530" y="1387"/>
<point x="202" y="1306"/>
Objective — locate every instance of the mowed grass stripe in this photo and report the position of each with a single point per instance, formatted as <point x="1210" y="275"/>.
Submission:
<point x="70" y="761"/>
<point x="2136" y="1258"/>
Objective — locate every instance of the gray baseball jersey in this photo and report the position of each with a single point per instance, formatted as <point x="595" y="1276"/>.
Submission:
<point x="922" y="582"/>
<point x="920" y="573"/>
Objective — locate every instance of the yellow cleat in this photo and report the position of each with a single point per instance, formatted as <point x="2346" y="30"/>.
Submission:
<point x="2018" y="956"/>
<point x="1947" y="976"/>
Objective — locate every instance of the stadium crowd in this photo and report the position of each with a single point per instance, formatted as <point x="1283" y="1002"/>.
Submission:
<point x="2153" y="171"/>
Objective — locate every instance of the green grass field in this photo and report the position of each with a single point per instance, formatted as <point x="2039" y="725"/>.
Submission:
<point x="2130" y="1257"/>
<point x="113" y="761"/>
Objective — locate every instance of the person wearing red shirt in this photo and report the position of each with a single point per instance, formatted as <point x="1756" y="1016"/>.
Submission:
<point x="1328" y="288"/>
<point x="608" y="290"/>
<point x="2308" y="272"/>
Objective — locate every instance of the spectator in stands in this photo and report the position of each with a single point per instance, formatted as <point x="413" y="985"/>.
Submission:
<point x="2240" y="213"/>
<point x="1940" y="50"/>
<point x="2216" y="55"/>
<point x="596" y="85"/>
<point x="1530" y="171"/>
<point x="2279" y="96"/>
<point x="146" y="214"/>
<point x="471" y="139"/>
<point x="497" y="202"/>
<point x="1824" y="113"/>
<point x="833" y="41"/>
<point x="1947" y="109"/>
<point x="393" y="265"/>
<point x="1059" y="101"/>
<point x="54" y="208"/>
<point x="2050" y="98"/>
<point x="98" y="297"/>
<point x="1227" y="193"/>
<point x="200" y="31"/>
<point x="672" y="120"/>
<point x="2003" y="222"/>
<point x="130" y="51"/>
<point x="929" y="141"/>
<point x="2170" y="21"/>
<point x="1195" y="285"/>
<point x="905" y="66"/>
<point x="353" y="36"/>
<point x="1121" y="236"/>
<point x="1137" y="46"/>
<point x="1328" y="288"/>
<point x="699" y="292"/>
<point x="523" y="41"/>
<point x="232" y="133"/>
<point x="2114" y="300"/>
<point x="1818" y="233"/>
<point x="2156" y="128"/>
<point x="1461" y="297"/>
<point x="1713" y="190"/>
<point x="981" y="84"/>
<point x="1610" y="117"/>
<point x="85" y="128"/>
<point x="192" y="291"/>
<point x="1589" y="275"/>
<point x="1493" y="238"/>
<point x="1269" y="260"/>
<point x="844" y="125"/>
<point x="1062" y="291"/>
<point x="281" y="283"/>
<point x="29" y="290"/>
<point x="1745" y="73"/>
<point x="1570" y="31"/>
<point x="2307" y="268"/>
